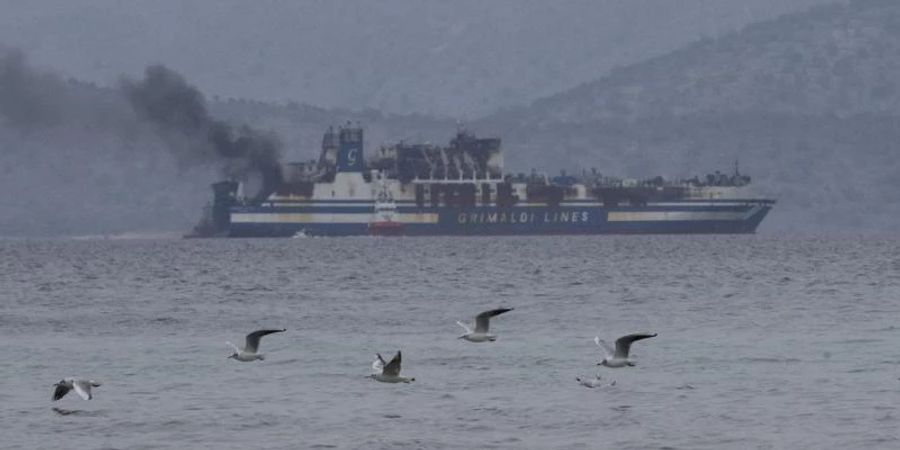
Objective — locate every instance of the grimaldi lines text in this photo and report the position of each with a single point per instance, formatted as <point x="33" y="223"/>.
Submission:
<point x="523" y="217"/>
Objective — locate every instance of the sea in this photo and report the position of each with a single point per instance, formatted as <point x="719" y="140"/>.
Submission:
<point x="764" y="342"/>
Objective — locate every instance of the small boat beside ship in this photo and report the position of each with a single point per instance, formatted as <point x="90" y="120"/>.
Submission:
<point x="384" y="220"/>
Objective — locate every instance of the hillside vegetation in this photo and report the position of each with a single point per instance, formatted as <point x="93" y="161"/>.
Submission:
<point x="809" y="103"/>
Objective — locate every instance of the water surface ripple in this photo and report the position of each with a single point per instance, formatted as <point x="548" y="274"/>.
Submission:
<point x="764" y="342"/>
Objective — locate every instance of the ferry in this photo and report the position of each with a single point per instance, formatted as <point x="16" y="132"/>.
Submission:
<point x="461" y="189"/>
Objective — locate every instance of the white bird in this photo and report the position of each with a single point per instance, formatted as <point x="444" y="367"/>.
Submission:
<point x="482" y="324"/>
<point x="251" y="346"/>
<point x="592" y="382"/>
<point x="82" y="388"/>
<point x="389" y="372"/>
<point x="619" y="357"/>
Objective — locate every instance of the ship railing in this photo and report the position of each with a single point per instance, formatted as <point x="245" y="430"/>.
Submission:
<point x="456" y="180"/>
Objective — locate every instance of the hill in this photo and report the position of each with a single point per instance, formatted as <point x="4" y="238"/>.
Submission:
<point x="462" y="58"/>
<point x="808" y="103"/>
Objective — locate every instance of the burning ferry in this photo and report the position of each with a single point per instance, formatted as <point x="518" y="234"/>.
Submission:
<point x="461" y="189"/>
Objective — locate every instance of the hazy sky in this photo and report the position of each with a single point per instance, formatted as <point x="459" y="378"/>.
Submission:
<point x="458" y="58"/>
<point x="81" y="161"/>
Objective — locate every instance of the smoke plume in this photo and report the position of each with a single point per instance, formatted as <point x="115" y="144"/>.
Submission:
<point x="27" y="99"/>
<point x="85" y="159"/>
<point x="178" y="110"/>
<point x="31" y="100"/>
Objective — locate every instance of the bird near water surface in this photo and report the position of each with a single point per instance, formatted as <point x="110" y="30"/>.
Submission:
<point x="619" y="357"/>
<point x="482" y="324"/>
<point x="251" y="346"/>
<point x="81" y="387"/>
<point x="389" y="372"/>
<point x="592" y="382"/>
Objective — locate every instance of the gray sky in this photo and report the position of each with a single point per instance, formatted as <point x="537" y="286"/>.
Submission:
<point x="458" y="58"/>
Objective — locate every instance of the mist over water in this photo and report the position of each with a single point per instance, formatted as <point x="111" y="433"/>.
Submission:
<point x="763" y="342"/>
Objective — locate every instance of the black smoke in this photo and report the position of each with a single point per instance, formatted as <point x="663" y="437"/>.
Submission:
<point x="35" y="101"/>
<point x="137" y="156"/>
<point x="178" y="111"/>
<point x="27" y="99"/>
<point x="80" y="162"/>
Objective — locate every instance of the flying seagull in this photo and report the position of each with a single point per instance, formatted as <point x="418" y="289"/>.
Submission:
<point x="251" y="346"/>
<point x="82" y="388"/>
<point x="389" y="372"/>
<point x="592" y="382"/>
<point x="482" y="323"/>
<point x="619" y="357"/>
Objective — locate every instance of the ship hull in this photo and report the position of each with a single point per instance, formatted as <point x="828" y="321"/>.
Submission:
<point x="353" y="219"/>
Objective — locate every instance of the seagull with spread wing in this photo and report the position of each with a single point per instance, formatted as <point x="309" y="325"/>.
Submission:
<point x="81" y="387"/>
<point x="251" y="346"/>
<point x="482" y="324"/>
<point x="389" y="372"/>
<point x="619" y="357"/>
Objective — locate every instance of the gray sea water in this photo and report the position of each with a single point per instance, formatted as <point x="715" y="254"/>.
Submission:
<point x="764" y="342"/>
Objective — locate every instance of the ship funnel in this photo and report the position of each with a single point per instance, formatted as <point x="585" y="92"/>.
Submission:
<point x="350" y="149"/>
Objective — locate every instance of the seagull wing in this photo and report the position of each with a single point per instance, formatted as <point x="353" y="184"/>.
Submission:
<point x="378" y="364"/>
<point x="61" y="390"/>
<point x="83" y="389"/>
<point x="393" y="368"/>
<point x="235" y="347"/>
<point x="483" y="320"/>
<point x="623" y="344"/>
<point x="465" y="327"/>
<point x="603" y="346"/>
<point x="252" y="344"/>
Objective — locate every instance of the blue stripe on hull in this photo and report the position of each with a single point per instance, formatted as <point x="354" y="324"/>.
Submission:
<point x="290" y="229"/>
<point x="486" y="209"/>
<point x="521" y="221"/>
